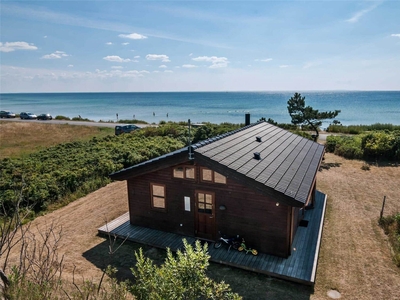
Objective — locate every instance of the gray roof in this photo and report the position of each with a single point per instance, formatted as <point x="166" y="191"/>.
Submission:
<point x="288" y="162"/>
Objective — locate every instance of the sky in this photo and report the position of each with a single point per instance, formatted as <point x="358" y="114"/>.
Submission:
<point x="139" y="46"/>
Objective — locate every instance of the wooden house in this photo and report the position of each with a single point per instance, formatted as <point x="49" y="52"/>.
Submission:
<point x="255" y="182"/>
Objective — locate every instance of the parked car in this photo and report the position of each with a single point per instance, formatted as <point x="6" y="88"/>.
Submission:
<point x="44" y="117"/>
<point x="119" y="129"/>
<point x="7" y="114"/>
<point x="27" y="115"/>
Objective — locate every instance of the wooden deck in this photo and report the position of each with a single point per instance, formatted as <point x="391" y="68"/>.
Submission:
<point x="300" y="267"/>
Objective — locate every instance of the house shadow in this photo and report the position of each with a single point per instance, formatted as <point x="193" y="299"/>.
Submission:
<point x="122" y="256"/>
<point x="248" y="284"/>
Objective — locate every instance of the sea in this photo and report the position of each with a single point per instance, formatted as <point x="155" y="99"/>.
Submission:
<point x="357" y="107"/>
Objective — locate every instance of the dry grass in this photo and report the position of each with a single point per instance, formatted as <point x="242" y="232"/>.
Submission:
<point x="21" y="138"/>
<point x="355" y="256"/>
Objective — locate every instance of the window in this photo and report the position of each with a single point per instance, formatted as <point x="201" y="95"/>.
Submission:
<point x="218" y="178"/>
<point x="185" y="172"/>
<point x="212" y="176"/>
<point x="157" y="195"/>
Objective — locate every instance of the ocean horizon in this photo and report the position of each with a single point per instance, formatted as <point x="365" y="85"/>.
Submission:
<point x="357" y="107"/>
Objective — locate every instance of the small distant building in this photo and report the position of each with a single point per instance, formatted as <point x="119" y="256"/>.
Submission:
<point x="256" y="182"/>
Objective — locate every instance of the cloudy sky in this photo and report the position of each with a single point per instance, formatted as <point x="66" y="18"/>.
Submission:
<point x="68" y="46"/>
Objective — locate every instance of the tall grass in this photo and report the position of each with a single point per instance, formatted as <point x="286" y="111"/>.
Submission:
<point x="357" y="129"/>
<point x="22" y="138"/>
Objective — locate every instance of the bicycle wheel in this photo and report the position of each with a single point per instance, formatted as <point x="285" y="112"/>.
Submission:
<point x="217" y="244"/>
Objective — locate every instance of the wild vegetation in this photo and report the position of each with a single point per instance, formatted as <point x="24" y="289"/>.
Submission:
<point x="373" y="145"/>
<point x="357" y="129"/>
<point x="66" y="171"/>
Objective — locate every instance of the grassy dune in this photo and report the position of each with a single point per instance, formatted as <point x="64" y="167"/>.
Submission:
<point x="21" y="138"/>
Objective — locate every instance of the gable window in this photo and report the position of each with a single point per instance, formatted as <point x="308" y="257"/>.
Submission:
<point x="157" y="195"/>
<point x="208" y="175"/>
<point x="185" y="172"/>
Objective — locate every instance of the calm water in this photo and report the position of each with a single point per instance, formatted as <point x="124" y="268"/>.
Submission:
<point x="215" y="107"/>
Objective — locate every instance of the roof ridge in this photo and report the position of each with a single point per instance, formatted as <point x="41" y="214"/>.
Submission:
<point x="221" y="136"/>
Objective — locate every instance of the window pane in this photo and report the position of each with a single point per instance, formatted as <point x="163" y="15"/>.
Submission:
<point x="158" y="202"/>
<point x="201" y="197"/>
<point x="158" y="190"/>
<point x="208" y="198"/>
<point x="206" y="175"/>
<point x="201" y="205"/>
<point x="178" y="172"/>
<point x="190" y="173"/>
<point x="218" y="178"/>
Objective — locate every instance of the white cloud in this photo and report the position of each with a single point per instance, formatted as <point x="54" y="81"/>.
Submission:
<point x="117" y="67"/>
<point x="216" y="62"/>
<point x="116" y="58"/>
<point x="168" y="71"/>
<point x="163" y="66"/>
<point x="284" y="66"/>
<point x="55" y="55"/>
<point x="190" y="54"/>
<point x="124" y="44"/>
<point x="264" y="60"/>
<point x="359" y="14"/>
<point x="162" y="57"/>
<point x="156" y="71"/>
<point x="108" y="43"/>
<point x="12" y="46"/>
<point x="70" y="66"/>
<point x="189" y="66"/>
<point x="177" y="67"/>
<point x="137" y="56"/>
<point x="396" y="34"/>
<point x="45" y="37"/>
<point x="133" y="36"/>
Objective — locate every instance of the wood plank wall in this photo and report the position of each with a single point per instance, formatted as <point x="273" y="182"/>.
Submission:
<point x="253" y="216"/>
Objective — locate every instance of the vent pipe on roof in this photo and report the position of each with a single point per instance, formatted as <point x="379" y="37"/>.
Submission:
<point x="247" y="119"/>
<point x="257" y="155"/>
<point x="258" y="139"/>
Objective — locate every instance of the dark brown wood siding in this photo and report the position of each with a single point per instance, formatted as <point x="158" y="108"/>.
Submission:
<point x="256" y="217"/>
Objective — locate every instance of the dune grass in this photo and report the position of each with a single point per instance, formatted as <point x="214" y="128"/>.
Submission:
<point x="22" y="138"/>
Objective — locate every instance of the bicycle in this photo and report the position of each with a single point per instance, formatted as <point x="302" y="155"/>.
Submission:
<point x="243" y="247"/>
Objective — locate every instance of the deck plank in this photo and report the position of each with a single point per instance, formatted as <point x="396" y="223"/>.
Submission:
<point x="299" y="267"/>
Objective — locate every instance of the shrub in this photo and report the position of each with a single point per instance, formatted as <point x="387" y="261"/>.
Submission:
<point x="378" y="145"/>
<point x="62" y="118"/>
<point x="180" y="277"/>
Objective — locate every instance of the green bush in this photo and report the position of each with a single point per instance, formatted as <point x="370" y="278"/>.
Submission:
<point x="74" y="169"/>
<point x="345" y="146"/>
<point x="378" y="144"/>
<point x="180" y="277"/>
<point x="62" y="118"/>
<point x="382" y="145"/>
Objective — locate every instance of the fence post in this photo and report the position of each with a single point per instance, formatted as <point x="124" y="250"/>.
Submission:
<point x="383" y="206"/>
